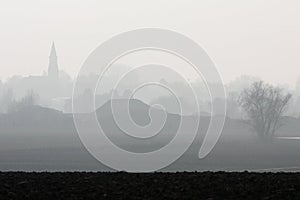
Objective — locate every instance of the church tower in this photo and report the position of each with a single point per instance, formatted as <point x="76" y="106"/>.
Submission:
<point x="53" y="66"/>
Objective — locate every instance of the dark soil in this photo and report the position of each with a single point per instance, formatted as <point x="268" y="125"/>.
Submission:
<point x="206" y="185"/>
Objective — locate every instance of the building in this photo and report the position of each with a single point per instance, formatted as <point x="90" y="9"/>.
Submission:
<point x="53" y="72"/>
<point x="52" y="88"/>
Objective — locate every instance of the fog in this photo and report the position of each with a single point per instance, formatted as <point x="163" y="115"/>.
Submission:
<point x="146" y="98"/>
<point x="253" y="37"/>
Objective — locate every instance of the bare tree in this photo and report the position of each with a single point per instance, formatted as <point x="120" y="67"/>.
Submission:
<point x="6" y="100"/>
<point x="28" y="100"/>
<point x="264" y="105"/>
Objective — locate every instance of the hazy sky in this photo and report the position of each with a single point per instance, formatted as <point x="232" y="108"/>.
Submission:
<point x="257" y="37"/>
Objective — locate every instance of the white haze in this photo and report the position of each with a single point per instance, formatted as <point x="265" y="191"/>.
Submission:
<point x="259" y="38"/>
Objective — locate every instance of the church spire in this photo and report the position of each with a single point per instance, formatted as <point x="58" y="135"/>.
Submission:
<point x="53" y="50"/>
<point x="53" y="66"/>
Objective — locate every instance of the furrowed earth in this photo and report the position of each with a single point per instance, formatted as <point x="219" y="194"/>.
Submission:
<point x="122" y="185"/>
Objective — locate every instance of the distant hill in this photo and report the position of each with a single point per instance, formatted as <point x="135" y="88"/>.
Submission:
<point x="34" y="116"/>
<point x="139" y="112"/>
<point x="41" y="138"/>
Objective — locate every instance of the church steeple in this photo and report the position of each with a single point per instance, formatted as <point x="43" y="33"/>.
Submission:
<point x="53" y="66"/>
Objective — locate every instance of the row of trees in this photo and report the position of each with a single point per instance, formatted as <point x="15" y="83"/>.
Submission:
<point x="10" y="104"/>
<point x="263" y="103"/>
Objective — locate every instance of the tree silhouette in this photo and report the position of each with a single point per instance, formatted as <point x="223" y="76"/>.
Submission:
<point x="264" y="105"/>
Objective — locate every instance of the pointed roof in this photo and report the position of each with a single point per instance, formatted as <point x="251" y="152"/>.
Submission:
<point x="53" y="66"/>
<point x="53" y="50"/>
